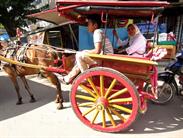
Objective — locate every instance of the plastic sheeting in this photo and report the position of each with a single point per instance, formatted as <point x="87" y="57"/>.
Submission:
<point x="86" y="39"/>
<point x="4" y="37"/>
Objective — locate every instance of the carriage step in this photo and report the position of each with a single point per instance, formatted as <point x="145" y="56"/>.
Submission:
<point x="147" y="95"/>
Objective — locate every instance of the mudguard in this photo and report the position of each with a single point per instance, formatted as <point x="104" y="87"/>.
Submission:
<point x="168" y="77"/>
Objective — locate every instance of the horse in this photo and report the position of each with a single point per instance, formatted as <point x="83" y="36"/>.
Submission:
<point x="32" y="54"/>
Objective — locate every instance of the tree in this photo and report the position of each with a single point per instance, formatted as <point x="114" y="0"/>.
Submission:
<point x="1" y="26"/>
<point x="12" y="14"/>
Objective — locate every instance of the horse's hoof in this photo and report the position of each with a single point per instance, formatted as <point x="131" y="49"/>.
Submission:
<point x="19" y="103"/>
<point x="60" y="106"/>
<point x="32" y="100"/>
<point x="56" y="100"/>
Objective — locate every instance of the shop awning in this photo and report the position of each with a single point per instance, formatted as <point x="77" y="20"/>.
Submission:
<point x="174" y="9"/>
<point x="49" y="16"/>
<point x="4" y="36"/>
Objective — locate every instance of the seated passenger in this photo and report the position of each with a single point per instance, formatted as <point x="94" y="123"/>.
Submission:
<point x="83" y="61"/>
<point x="136" y="43"/>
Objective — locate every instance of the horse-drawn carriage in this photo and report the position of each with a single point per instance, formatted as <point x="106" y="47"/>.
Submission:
<point x="109" y="97"/>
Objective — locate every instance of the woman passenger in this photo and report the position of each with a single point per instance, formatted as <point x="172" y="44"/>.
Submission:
<point x="136" y="43"/>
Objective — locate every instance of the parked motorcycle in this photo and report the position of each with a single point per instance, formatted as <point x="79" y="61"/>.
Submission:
<point x="167" y="84"/>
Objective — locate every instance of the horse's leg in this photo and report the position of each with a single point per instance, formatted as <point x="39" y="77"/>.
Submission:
<point x="13" y="76"/>
<point x="28" y="89"/>
<point x="54" y="80"/>
<point x="17" y="88"/>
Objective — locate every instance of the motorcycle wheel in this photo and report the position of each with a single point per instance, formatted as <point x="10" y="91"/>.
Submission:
<point x="166" y="91"/>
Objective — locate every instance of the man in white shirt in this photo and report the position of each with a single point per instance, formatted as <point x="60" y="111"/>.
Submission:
<point x="83" y="61"/>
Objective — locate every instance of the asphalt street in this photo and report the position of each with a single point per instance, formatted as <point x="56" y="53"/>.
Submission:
<point x="42" y="119"/>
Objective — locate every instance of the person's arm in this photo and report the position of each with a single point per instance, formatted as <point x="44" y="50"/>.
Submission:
<point x="119" y="41"/>
<point x="138" y="45"/>
<point x="96" y="50"/>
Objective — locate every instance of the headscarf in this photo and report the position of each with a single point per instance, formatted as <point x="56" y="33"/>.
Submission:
<point x="136" y="35"/>
<point x="137" y="31"/>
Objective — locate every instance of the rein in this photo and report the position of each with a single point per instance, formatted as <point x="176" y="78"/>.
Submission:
<point x="48" y="48"/>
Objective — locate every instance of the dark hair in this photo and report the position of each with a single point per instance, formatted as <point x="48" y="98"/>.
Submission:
<point x="130" y="25"/>
<point x="95" y="19"/>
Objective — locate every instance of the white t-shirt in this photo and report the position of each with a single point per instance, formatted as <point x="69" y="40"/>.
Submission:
<point x="98" y="36"/>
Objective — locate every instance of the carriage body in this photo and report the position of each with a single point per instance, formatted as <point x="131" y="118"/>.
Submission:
<point x="109" y="97"/>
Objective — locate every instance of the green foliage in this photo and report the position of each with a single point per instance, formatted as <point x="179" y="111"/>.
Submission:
<point x="1" y="26"/>
<point x="13" y="12"/>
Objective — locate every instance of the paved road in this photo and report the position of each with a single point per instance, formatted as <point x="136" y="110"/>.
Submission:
<point x="41" y="119"/>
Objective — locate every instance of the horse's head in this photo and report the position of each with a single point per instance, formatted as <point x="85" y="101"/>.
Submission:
<point x="7" y="49"/>
<point x="3" y="45"/>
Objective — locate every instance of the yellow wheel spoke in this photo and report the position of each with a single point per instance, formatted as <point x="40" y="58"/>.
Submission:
<point x="110" y="87"/>
<point x="93" y="86"/>
<point x="103" y="119"/>
<point x="122" y="108"/>
<point x="121" y="100"/>
<point x="86" y="104"/>
<point x="118" y="114"/>
<point x="118" y="93"/>
<point x="95" y="116"/>
<point x="110" y="117"/>
<point x="88" y="111"/>
<point x="86" y="98"/>
<point x="88" y="90"/>
<point x="102" y="85"/>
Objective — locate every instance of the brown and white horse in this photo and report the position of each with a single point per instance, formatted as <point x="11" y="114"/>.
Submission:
<point x="33" y="54"/>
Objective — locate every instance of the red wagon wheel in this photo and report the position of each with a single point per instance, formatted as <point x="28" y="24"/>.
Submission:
<point x="104" y="99"/>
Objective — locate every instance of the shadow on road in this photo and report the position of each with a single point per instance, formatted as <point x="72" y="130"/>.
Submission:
<point x="157" y="119"/>
<point x="160" y="118"/>
<point x="8" y="98"/>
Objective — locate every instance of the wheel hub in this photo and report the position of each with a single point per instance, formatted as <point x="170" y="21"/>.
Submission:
<point x="102" y="103"/>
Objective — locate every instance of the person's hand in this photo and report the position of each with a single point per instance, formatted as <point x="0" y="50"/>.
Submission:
<point x="122" y="51"/>
<point x="121" y="47"/>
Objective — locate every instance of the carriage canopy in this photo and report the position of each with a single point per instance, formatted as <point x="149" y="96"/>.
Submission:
<point x="78" y="9"/>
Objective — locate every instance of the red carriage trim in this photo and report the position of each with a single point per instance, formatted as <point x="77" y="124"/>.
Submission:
<point x="114" y="3"/>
